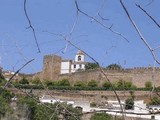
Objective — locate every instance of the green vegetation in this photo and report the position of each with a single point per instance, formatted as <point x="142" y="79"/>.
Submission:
<point x="154" y="101"/>
<point x="28" y="107"/>
<point x="89" y="66"/>
<point x="93" y="104"/>
<point x="2" y="79"/>
<point x="79" y="84"/>
<point x="63" y="82"/>
<point x="106" y="85"/>
<point x="101" y="116"/>
<point x="121" y="84"/>
<point x="24" y="81"/>
<point x="114" y="66"/>
<point x="92" y="83"/>
<point x="45" y="111"/>
<point x="129" y="103"/>
<point x="50" y="83"/>
<point x="148" y="84"/>
<point x="36" y="80"/>
<point x="5" y="97"/>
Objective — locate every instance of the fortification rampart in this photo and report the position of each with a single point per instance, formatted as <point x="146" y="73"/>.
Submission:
<point x="138" y="76"/>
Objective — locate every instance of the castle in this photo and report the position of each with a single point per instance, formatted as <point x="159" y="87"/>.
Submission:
<point x="55" y="68"/>
<point x="54" y="65"/>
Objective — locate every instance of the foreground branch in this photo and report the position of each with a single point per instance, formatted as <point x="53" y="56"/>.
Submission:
<point x="30" y="26"/>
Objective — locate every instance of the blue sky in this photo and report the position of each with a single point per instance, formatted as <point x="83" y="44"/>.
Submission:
<point x="17" y="43"/>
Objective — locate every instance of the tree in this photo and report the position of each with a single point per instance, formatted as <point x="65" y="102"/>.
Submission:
<point x="89" y="66"/>
<point x="101" y="116"/>
<point x="114" y="66"/>
<point x="92" y="83"/>
<point x="23" y="81"/>
<point x="45" y="111"/>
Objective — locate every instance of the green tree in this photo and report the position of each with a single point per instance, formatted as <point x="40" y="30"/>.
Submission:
<point x="148" y="84"/>
<point x="63" y="82"/>
<point x="101" y="116"/>
<point x="92" y="83"/>
<point x="45" y="111"/>
<point x="23" y="81"/>
<point x="114" y="66"/>
<point x="89" y="66"/>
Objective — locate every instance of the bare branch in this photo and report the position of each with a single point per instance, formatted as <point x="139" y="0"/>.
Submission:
<point x="16" y="74"/>
<point x="30" y="26"/>
<point x="139" y="33"/>
<point x="93" y="18"/>
<point x="148" y="15"/>
<point x="101" y="70"/>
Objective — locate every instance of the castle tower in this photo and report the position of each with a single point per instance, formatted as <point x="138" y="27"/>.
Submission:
<point x="51" y="67"/>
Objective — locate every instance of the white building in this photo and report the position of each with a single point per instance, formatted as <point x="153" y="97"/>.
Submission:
<point x="68" y="66"/>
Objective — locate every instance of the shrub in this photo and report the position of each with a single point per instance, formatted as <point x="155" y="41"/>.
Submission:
<point x="106" y="84"/>
<point x="63" y="82"/>
<point x="93" y="104"/>
<point x="148" y="84"/>
<point x="79" y="84"/>
<point x="36" y="80"/>
<point x="50" y="83"/>
<point x="101" y="116"/>
<point x="129" y="103"/>
<point x="154" y="101"/>
<point x="92" y="83"/>
<point x="24" y="81"/>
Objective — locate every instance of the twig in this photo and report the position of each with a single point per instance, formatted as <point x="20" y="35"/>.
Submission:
<point x="93" y="18"/>
<point x="139" y="33"/>
<point x="148" y="15"/>
<point x="16" y="74"/>
<point x="30" y="26"/>
<point x="101" y="70"/>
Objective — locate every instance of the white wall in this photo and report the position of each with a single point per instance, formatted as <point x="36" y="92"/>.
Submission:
<point x="65" y="67"/>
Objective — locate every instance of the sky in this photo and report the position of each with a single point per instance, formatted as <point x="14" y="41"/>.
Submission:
<point x="17" y="44"/>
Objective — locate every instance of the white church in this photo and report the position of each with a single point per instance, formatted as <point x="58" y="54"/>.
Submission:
<point x="70" y="66"/>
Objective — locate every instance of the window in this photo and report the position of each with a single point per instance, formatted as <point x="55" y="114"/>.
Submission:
<point x="79" y="58"/>
<point x="80" y="66"/>
<point x="74" y="66"/>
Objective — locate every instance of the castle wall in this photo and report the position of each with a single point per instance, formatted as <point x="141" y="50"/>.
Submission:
<point x="138" y="76"/>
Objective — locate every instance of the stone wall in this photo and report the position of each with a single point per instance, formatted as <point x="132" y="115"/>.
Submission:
<point x="138" y="76"/>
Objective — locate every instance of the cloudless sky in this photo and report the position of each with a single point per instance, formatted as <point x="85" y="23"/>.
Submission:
<point x="17" y="43"/>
